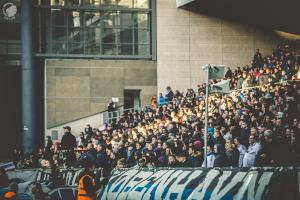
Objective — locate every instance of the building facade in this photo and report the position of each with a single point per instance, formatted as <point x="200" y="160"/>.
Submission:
<point x="89" y="51"/>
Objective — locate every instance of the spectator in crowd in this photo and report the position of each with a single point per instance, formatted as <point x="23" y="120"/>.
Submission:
<point x="161" y="100"/>
<point x="251" y="153"/>
<point x="242" y="150"/>
<point x="221" y="159"/>
<point x="169" y="94"/>
<point x="49" y="143"/>
<point x="195" y="157"/>
<point x="210" y="157"/>
<point x="12" y="191"/>
<point x="81" y="141"/>
<point x="111" y="108"/>
<point x="68" y="143"/>
<point x="232" y="154"/>
<point x="154" y="102"/>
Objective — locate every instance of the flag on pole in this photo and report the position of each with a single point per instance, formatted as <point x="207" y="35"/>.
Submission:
<point x="221" y="87"/>
<point x="217" y="71"/>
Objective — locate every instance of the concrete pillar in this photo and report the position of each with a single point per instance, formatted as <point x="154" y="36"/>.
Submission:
<point x="29" y="93"/>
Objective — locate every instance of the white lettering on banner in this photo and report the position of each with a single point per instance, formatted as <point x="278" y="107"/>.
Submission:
<point x="140" y="189"/>
<point x="176" y="187"/>
<point x="199" y="191"/>
<point x="245" y="185"/>
<point x="262" y="183"/>
<point x="224" y="176"/>
<point x="192" y="184"/>
<point x="161" y="177"/>
<point x="128" y="190"/>
<point x="119" y="184"/>
<point x="237" y="178"/>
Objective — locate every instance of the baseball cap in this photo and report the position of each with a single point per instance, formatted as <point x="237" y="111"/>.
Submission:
<point x="67" y="127"/>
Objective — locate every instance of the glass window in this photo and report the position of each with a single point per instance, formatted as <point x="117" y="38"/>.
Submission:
<point x="125" y="3"/>
<point x="141" y="36"/>
<point x="109" y="49"/>
<point x="108" y="2"/>
<point x="75" y="48"/>
<point x="109" y="35"/>
<point x="59" y="34"/>
<point x="141" y="3"/>
<point x="141" y="50"/>
<point x="113" y="31"/>
<point x="125" y="49"/>
<point x="58" y="18"/>
<point x="126" y="35"/>
<point x="74" y="19"/>
<point x="92" y="19"/>
<point x="75" y="35"/>
<point x="125" y="19"/>
<point x="141" y="20"/>
<point x="111" y="19"/>
<point x="59" y="47"/>
<point x="74" y="2"/>
<point x="91" y="2"/>
<point x="57" y="3"/>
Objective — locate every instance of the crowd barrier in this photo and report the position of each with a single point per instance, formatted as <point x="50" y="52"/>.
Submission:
<point x="199" y="183"/>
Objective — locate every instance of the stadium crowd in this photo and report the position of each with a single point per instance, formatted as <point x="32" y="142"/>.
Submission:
<point x="257" y="124"/>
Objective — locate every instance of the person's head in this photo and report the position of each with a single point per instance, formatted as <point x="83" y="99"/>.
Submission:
<point x="67" y="129"/>
<point x="100" y="147"/>
<point x="268" y="136"/>
<point x="142" y="162"/>
<point x="229" y="145"/>
<point x="48" y="137"/>
<point x="253" y="131"/>
<point x="191" y="150"/>
<point x="121" y="163"/>
<point x="90" y="146"/>
<point x="219" y="149"/>
<point x="210" y="149"/>
<point x="237" y="141"/>
<point x="81" y="135"/>
<point x="171" y="159"/>
<point x="251" y="139"/>
<point x="295" y="122"/>
<point x="149" y="146"/>
<point x="181" y="157"/>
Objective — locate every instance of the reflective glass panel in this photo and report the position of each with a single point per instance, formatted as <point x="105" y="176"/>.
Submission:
<point x="91" y="2"/>
<point x="92" y="19"/>
<point x="141" y="3"/>
<point x="125" y="3"/>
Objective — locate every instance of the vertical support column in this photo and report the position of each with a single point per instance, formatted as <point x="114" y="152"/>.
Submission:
<point x="206" y="114"/>
<point x="29" y="90"/>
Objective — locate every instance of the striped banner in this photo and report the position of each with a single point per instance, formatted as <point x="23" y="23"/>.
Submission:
<point x="225" y="184"/>
<point x="8" y="166"/>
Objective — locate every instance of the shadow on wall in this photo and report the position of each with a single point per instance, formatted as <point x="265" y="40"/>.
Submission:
<point x="268" y="14"/>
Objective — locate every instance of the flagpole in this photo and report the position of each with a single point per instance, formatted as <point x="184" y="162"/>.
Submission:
<point x="206" y="114"/>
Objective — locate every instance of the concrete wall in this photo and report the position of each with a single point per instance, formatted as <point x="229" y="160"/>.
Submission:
<point x="187" y="40"/>
<point x="78" y="88"/>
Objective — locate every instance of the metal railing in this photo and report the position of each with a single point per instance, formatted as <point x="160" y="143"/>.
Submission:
<point x="112" y="117"/>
